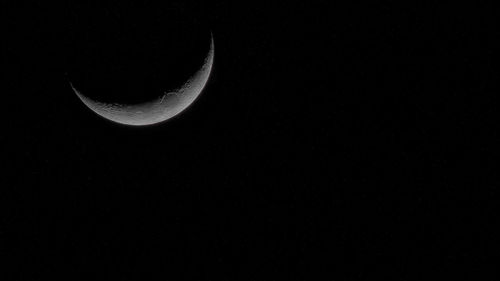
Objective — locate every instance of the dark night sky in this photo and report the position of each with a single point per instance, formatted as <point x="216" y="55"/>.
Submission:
<point x="332" y="142"/>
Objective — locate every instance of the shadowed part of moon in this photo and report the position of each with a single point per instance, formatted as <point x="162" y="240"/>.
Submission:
<point x="159" y="110"/>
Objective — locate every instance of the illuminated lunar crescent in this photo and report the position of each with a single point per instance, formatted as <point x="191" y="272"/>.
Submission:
<point x="165" y="107"/>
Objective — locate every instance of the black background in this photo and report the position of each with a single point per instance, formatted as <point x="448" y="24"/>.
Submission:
<point x="332" y="142"/>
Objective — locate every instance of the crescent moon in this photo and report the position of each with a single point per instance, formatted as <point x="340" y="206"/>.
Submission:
<point x="165" y="107"/>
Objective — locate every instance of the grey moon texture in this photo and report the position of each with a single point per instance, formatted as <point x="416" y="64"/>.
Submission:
<point x="165" y="107"/>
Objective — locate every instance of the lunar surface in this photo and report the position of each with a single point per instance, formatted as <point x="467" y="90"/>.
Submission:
<point x="163" y="108"/>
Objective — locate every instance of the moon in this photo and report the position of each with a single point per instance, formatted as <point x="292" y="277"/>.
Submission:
<point x="168" y="105"/>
